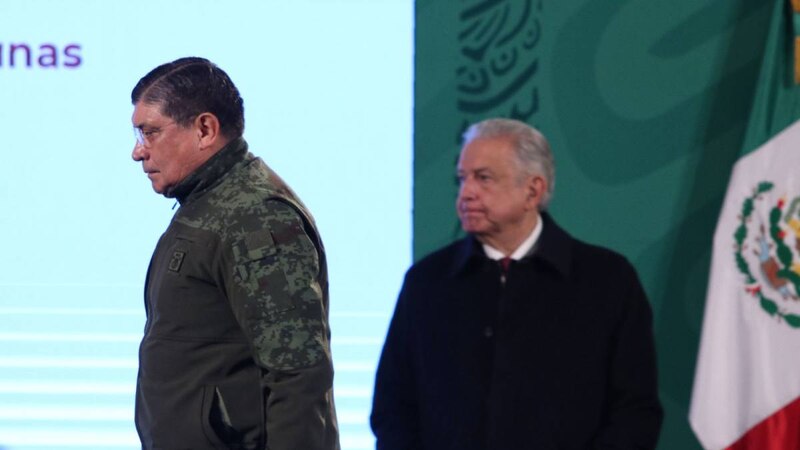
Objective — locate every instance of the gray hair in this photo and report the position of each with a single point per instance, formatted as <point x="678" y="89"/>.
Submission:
<point x="530" y="147"/>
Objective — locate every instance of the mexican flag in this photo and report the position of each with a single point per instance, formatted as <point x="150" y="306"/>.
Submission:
<point x="747" y="381"/>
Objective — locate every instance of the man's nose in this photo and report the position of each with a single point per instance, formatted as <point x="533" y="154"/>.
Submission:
<point x="139" y="152"/>
<point x="467" y="188"/>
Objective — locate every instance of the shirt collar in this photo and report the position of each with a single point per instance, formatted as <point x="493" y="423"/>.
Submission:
<point x="521" y="251"/>
<point x="552" y="247"/>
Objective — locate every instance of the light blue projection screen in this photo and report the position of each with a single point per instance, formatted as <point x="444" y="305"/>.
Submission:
<point x="327" y="87"/>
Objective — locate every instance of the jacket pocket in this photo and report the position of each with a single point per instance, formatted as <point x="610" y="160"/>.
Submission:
<point x="173" y="415"/>
<point x="216" y="422"/>
<point x="218" y="425"/>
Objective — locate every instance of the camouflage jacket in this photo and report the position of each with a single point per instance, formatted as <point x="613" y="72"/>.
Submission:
<point x="236" y="349"/>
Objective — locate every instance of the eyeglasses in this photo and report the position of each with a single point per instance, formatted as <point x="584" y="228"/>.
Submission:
<point x="146" y="135"/>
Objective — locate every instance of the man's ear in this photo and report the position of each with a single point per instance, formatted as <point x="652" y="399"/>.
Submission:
<point x="208" y="130"/>
<point x="536" y="186"/>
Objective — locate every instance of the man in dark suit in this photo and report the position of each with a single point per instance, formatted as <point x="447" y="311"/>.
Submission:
<point x="518" y="336"/>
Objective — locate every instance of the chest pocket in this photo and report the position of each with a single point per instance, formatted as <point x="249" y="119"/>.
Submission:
<point x="186" y="291"/>
<point x="190" y="258"/>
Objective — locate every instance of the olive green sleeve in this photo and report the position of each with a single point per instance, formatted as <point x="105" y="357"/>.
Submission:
<point x="277" y="288"/>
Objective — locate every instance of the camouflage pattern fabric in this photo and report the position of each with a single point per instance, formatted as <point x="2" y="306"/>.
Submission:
<point x="237" y="332"/>
<point x="276" y="284"/>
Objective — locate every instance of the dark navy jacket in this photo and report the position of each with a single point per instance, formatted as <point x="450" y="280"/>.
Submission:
<point x="561" y="356"/>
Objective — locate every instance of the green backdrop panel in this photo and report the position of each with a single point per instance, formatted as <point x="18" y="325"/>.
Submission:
<point x="645" y="105"/>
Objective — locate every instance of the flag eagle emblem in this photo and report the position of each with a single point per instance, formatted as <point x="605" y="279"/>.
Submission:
<point x="768" y="253"/>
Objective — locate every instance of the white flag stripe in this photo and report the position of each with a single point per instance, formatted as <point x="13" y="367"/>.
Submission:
<point x="747" y="369"/>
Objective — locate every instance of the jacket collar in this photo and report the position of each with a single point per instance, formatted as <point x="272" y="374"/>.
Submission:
<point x="210" y="173"/>
<point x="554" y="248"/>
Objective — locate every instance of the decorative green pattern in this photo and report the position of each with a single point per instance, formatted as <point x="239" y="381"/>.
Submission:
<point x="499" y="59"/>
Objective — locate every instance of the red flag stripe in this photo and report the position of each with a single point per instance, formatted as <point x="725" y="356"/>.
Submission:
<point x="780" y="431"/>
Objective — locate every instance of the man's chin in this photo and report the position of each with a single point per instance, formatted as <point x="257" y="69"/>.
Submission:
<point x="473" y="228"/>
<point x="160" y="188"/>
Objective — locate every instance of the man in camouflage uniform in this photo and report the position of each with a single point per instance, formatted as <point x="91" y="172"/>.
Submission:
<point x="236" y="348"/>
